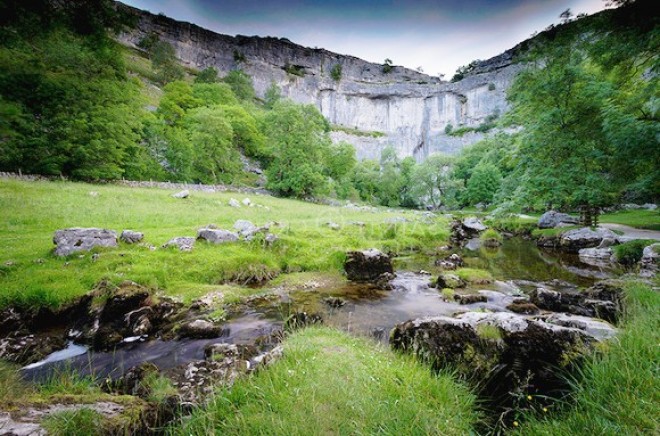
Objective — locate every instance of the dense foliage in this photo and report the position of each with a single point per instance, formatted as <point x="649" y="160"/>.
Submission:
<point x="588" y="108"/>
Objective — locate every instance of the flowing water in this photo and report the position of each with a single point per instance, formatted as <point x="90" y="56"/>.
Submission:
<point x="517" y="266"/>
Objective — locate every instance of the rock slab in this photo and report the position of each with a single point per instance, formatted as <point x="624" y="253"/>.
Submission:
<point x="77" y="239"/>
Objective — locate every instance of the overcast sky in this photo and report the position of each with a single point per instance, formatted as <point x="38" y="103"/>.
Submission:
<point x="436" y="35"/>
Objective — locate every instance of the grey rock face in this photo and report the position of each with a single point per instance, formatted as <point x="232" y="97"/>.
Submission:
<point x="552" y="219"/>
<point x="184" y="243"/>
<point x="217" y="236"/>
<point x="596" y="255"/>
<point x="367" y="265"/>
<point x="131" y="237"/>
<point x="574" y="240"/>
<point x="72" y="240"/>
<point x="593" y="327"/>
<point x="409" y="108"/>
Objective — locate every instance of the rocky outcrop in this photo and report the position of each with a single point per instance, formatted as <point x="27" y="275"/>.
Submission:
<point x="601" y="300"/>
<point x="552" y="219"/>
<point x="502" y="352"/>
<point x="405" y="108"/>
<point x="69" y="241"/>
<point x="368" y="266"/>
<point x="575" y="240"/>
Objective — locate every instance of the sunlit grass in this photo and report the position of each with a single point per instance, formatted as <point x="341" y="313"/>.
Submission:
<point x="32" y="211"/>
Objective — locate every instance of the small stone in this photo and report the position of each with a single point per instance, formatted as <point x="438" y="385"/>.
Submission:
<point x="470" y="298"/>
<point x="183" y="194"/>
<point x="247" y="202"/>
<point x="234" y="203"/>
<point x="333" y="226"/>
<point x="184" y="243"/>
<point x="131" y="237"/>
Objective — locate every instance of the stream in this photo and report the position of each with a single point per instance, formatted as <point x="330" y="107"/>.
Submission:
<point x="517" y="266"/>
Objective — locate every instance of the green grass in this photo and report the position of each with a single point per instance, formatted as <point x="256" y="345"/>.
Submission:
<point x="331" y="383"/>
<point x="357" y="132"/>
<point x="491" y="235"/>
<point x="641" y="219"/>
<point x="32" y="276"/>
<point x="79" y="422"/>
<point x="629" y="253"/>
<point x="474" y="276"/>
<point x="618" y="390"/>
<point x="514" y="224"/>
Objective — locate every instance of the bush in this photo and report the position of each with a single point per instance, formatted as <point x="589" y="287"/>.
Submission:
<point x="335" y="72"/>
<point x="491" y="235"/>
<point x="629" y="253"/>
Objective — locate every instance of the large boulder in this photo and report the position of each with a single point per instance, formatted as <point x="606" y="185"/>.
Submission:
<point x="473" y="224"/>
<point x="200" y="329"/>
<point x="552" y="219"/>
<point x="217" y="236"/>
<point x="367" y="265"/>
<point x="72" y="240"/>
<point x="596" y="256"/>
<point x="575" y="240"/>
<point x="503" y="352"/>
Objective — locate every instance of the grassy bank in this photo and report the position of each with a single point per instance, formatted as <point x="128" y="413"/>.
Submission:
<point x="618" y="391"/>
<point x="331" y="383"/>
<point x="31" y="275"/>
<point x="641" y="219"/>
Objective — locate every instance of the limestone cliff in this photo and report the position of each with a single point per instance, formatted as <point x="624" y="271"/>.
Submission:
<point x="407" y="109"/>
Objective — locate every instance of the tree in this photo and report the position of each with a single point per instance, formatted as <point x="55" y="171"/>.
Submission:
<point x="177" y="99"/>
<point x="207" y="75"/>
<point x="211" y="134"/>
<point x="341" y="160"/>
<point x="434" y="183"/>
<point x="272" y="96"/>
<point x="483" y="184"/>
<point x="210" y="94"/>
<point x="246" y="134"/>
<point x="241" y="84"/>
<point x="299" y="138"/>
<point x="163" y="58"/>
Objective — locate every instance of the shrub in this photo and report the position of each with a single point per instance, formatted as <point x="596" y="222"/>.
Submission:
<point x="335" y="72"/>
<point x="491" y="235"/>
<point x="629" y="253"/>
<point x="491" y="86"/>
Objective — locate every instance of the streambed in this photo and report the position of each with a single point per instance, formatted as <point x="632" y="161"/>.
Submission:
<point x="517" y="266"/>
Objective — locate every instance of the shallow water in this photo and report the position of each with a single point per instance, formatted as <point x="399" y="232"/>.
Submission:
<point x="516" y="266"/>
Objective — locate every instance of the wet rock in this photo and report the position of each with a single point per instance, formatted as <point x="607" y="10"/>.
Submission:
<point x="221" y="351"/>
<point x="182" y="194"/>
<point x="133" y="382"/>
<point x="596" y="328"/>
<point x="602" y="300"/>
<point x="552" y="219"/>
<point x="302" y="319"/>
<point x="523" y="307"/>
<point x="473" y="225"/>
<point x="200" y="329"/>
<point x="216" y="236"/>
<point x="470" y="298"/>
<point x="384" y="281"/>
<point x="602" y="254"/>
<point x="73" y="240"/>
<point x="197" y="380"/>
<point x="367" y="265"/>
<point x="451" y="281"/>
<point x="183" y="243"/>
<point x="503" y="352"/>
<point x="25" y="349"/>
<point x="574" y="240"/>
<point x="269" y="357"/>
<point x="334" y="302"/>
<point x="650" y="262"/>
<point x="131" y="237"/>
<point x="450" y="262"/>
